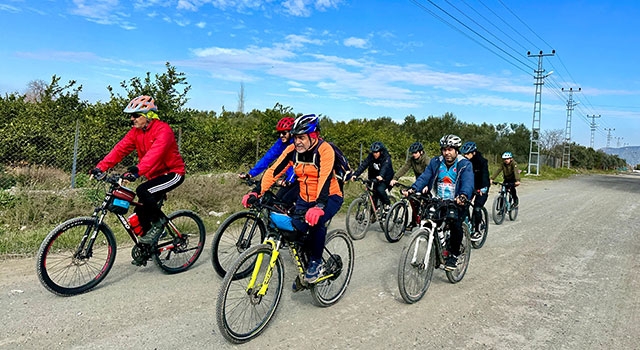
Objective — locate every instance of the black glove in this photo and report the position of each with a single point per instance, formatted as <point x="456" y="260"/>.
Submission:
<point x="132" y="174"/>
<point x="97" y="173"/>
<point x="244" y="176"/>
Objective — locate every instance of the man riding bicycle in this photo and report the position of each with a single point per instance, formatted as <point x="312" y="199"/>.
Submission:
<point x="510" y="173"/>
<point x="158" y="160"/>
<point x="418" y="162"/>
<point x="320" y="196"/>
<point x="449" y="176"/>
<point x="379" y="167"/>
<point x="481" y="184"/>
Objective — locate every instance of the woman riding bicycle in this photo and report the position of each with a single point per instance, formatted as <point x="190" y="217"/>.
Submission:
<point x="320" y="196"/>
<point x="158" y="160"/>
<point x="418" y="162"/>
<point x="481" y="184"/>
<point x="379" y="167"/>
<point x="289" y="186"/>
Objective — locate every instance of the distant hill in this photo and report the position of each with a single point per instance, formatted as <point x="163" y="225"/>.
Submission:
<point x="631" y="154"/>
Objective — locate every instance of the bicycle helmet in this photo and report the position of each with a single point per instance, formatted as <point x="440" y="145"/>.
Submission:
<point x="416" y="147"/>
<point x="305" y="124"/>
<point x="507" y="155"/>
<point x="141" y="104"/>
<point x="468" y="147"/>
<point x="377" y="147"/>
<point x="450" y="140"/>
<point x="285" y="124"/>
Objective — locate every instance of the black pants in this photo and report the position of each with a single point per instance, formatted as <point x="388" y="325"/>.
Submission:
<point x="152" y="191"/>
<point x="380" y="191"/>
<point x="478" y="202"/>
<point x="456" y="231"/>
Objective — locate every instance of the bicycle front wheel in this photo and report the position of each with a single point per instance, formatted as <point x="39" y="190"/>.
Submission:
<point x="68" y="263"/>
<point x="483" y="227"/>
<point x="513" y="213"/>
<point x="358" y="218"/>
<point x="415" y="270"/>
<point x="396" y="222"/>
<point x="456" y="275"/>
<point x="498" y="210"/>
<point x="177" y="253"/>
<point x="338" y="260"/>
<point x="236" y="234"/>
<point x="242" y="313"/>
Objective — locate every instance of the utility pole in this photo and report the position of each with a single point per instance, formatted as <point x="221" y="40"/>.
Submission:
<point x="620" y="138"/>
<point x="534" y="147"/>
<point x="608" y="130"/>
<point x="566" y="155"/>
<point x="593" y="126"/>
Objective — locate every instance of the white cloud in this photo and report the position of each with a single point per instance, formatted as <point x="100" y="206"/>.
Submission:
<point x="294" y="83"/>
<point x="298" y="90"/>
<point x="9" y="8"/>
<point x="201" y="25"/>
<point x="356" y="42"/>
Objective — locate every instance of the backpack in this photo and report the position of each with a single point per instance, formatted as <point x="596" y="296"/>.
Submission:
<point x="341" y="167"/>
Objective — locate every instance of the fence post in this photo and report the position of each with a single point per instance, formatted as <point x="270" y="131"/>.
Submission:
<point x="75" y="155"/>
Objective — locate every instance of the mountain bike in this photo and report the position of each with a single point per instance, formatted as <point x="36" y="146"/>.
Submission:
<point x="364" y="210"/>
<point x="503" y="204"/>
<point x="79" y="253"/>
<point x="483" y="225"/>
<point x="397" y="219"/>
<point x="428" y="250"/>
<point x="240" y="231"/>
<point x="252" y="288"/>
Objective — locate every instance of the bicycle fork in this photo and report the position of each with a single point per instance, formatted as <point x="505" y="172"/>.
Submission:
<point x="275" y="246"/>
<point x="420" y="241"/>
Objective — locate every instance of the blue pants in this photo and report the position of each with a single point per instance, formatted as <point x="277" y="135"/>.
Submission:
<point x="314" y="244"/>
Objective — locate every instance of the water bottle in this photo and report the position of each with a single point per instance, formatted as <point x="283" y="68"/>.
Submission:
<point x="134" y="222"/>
<point x="443" y="242"/>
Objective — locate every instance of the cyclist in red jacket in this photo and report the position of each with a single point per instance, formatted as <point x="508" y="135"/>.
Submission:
<point x="158" y="160"/>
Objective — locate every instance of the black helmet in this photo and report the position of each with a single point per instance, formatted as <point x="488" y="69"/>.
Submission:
<point x="450" y="141"/>
<point x="305" y="124"/>
<point x="416" y="147"/>
<point x="468" y="147"/>
<point x="377" y="146"/>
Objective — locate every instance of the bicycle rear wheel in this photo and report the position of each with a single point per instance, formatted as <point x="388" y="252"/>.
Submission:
<point x="241" y="313"/>
<point x="236" y="234"/>
<point x="338" y="257"/>
<point x="396" y="222"/>
<point x="176" y="254"/>
<point x="415" y="270"/>
<point x="513" y="212"/>
<point x="64" y="264"/>
<point x="483" y="227"/>
<point x="498" y="210"/>
<point x="456" y="275"/>
<point x="358" y="218"/>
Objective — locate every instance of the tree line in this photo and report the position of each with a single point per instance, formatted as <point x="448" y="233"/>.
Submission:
<point x="38" y="128"/>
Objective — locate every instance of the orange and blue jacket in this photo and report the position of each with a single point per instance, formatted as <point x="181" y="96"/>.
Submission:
<point x="313" y="168"/>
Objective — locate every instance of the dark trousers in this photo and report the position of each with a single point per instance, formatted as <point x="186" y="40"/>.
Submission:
<point x="380" y="191"/>
<point x="314" y="244"/>
<point x="150" y="193"/>
<point x="478" y="202"/>
<point x="289" y="194"/>
<point x="456" y="231"/>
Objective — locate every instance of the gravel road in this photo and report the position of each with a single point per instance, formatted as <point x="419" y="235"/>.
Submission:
<point x="564" y="275"/>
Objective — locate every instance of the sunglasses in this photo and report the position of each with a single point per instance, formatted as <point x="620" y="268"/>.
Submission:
<point x="283" y="133"/>
<point x="136" y="115"/>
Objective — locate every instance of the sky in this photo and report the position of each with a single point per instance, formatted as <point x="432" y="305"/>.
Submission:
<point x="347" y="59"/>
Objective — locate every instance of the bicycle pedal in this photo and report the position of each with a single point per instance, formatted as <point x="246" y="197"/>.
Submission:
<point x="298" y="285"/>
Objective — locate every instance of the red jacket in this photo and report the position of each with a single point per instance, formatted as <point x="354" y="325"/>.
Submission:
<point x="157" y="151"/>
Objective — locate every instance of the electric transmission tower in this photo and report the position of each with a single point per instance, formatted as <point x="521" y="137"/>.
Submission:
<point x="534" y="147"/>
<point x="593" y="126"/>
<point x="608" y="130"/>
<point x="566" y="155"/>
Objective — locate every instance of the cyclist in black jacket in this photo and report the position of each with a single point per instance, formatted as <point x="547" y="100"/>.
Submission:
<point x="481" y="183"/>
<point x="378" y="165"/>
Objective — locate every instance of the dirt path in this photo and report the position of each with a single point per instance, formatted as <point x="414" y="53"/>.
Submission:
<point x="564" y="275"/>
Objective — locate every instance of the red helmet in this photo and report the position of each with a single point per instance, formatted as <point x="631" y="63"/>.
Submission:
<point x="285" y="124"/>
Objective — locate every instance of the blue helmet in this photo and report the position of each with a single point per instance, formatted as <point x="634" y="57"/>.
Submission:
<point x="305" y="124"/>
<point x="468" y="147"/>
<point x="377" y="146"/>
<point x="416" y="147"/>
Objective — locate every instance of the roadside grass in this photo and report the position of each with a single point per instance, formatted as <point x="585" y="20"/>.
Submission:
<point x="42" y="199"/>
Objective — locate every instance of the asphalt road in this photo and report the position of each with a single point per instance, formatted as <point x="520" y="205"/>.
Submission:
<point x="564" y="275"/>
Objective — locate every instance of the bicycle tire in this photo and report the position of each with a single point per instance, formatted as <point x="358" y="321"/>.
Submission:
<point x="513" y="213"/>
<point x="484" y="228"/>
<point x="228" y="242"/>
<point x="175" y="254"/>
<point x="236" y="304"/>
<point x="414" y="277"/>
<point x="498" y="209"/>
<point x="396" y="222"/>
<point x="63" y="274"/>
<point x="338" y="257"/>
<point x="358" y="218"/>
<point x="456" y="275"/>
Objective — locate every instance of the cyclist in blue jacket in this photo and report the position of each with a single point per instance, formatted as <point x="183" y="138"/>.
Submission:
<point x="449" y="176"/>
<point x="289" y="190"/>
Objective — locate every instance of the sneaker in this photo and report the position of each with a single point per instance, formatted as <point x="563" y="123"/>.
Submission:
<point x="451" y="263"/>
<point x="476" y="236"/>
<point x="515" y="204"/>
<point x="314" y="271"/>
<point x="154" y="232"/>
